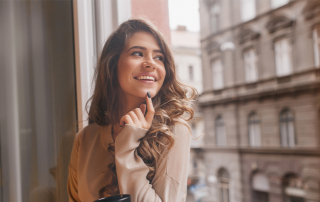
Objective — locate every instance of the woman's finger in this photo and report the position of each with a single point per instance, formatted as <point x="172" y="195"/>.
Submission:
<point x="126" y="119"/>
<point x="150" y="113"/>
<point x="135" y="118"/>
<point x="143" y="108"/>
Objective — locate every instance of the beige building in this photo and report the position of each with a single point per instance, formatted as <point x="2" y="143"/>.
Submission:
<point x="186" y="51"/>
<point x="261" y="100"/>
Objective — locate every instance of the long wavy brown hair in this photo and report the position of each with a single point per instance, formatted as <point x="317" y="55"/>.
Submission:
<point x="173" y="101"/>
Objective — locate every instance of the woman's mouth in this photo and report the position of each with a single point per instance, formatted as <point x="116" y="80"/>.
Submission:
<point x="145" y="78"/>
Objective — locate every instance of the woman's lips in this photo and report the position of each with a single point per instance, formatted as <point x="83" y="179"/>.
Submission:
<point x="146" y="81"/>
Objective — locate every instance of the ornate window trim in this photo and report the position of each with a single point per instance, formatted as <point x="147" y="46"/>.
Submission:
<point x="311" y="10"/>
<point x="213" y="47"/>
<point x="278" y="23"/>
<point x="246" y="35"/>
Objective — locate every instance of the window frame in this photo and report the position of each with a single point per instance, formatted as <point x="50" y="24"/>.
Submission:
<point x="220" y="132"/>
<point x="274" y="5"/>
<point x="283" y="57"/>
<point x="223" y="185"/>
<point x="244" y="10"/>
<point x="287" y="140"/>
<point x="255" y="123"/>
<point x="214" y="13"/>
<point x="250" y="67"/>
<point x="218" y="73"/>
<point x="316" y="45"/>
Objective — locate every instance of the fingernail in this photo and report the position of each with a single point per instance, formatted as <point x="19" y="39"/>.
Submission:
<point x="148" y="95"/>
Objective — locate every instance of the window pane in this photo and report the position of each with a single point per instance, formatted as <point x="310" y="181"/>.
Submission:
<point x="291" y="134"/>
<point x="257" y="134"/>
<point x="278" y="3"/>
<point x="283" y="57"/>
<point x="284" y="135"/>
<point x="250" y="65"/>
<point x="316" y="44"/>
<point x="248" y="11"/>
<point x="217" y="74"/>
<point x="214" y="17"/>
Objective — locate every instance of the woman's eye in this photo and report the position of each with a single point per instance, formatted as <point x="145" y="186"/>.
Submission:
<point x="159" y="57"/>
<point x="136" y="53"/>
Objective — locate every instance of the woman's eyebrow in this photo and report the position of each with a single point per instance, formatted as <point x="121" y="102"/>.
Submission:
<point x="143" y="48"/>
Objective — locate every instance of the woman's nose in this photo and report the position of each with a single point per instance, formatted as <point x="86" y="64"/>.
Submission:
<point x="149" y="64"/>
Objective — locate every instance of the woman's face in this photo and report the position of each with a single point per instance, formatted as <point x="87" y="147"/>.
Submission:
<point x="140" y="67"/>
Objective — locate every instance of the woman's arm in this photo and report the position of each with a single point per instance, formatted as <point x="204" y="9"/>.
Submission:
<point x="170" y="181"/>
<point x="72" y="178"/>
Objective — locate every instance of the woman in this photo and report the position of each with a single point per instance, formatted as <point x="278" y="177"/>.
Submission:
<point x="137" y="141"/>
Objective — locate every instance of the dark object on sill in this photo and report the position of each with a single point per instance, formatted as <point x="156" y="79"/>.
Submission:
<point x="117" y="198"/>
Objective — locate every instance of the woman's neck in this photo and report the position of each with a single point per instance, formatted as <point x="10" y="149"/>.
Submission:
<point x="129" y="103"/>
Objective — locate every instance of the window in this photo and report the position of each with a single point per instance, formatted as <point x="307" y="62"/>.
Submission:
<point x="293" y="188"/>
<point x="316" y="45"/>
<point x="283" y="57"/>
<point x="248" y="9"/>
<point x="221" y="139"/>
<point x="191" y="73"/>
<point x="260" y="187"/>
<point x="217" y="74"/>
<point x="223" y="185"/>
<point x="278" y="3"/>
<point x="287" y="128"/>
<point x="214" y="17"/>
<point x="254" y="130"/>
<point x="249" y="58"/>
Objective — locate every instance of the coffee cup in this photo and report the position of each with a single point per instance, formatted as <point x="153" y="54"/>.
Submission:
<point x="117" y="198"/>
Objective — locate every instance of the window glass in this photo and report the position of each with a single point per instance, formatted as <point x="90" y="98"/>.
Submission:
<point x="217" y="74"/>
<point x="316" y="46"/>
<point x="221" y="139"/>
<point x="283" y="57"/>
<point x="287" y="132"/>
<point x="214" y="17"/>
<point x="248" y="9"/>
<point x="254" y="130"/>
<point x="278" y="3"/>
<point x="249" y="58"/>
<point x="223" y="185"/>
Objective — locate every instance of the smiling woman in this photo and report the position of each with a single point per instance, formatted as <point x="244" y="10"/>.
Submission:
<point x="138" y="141"/>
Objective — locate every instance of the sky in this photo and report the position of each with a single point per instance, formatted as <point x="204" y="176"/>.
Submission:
<point x="184" y="12"/>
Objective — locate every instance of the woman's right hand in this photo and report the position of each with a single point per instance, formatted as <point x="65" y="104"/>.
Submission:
<point x="136" y="117"/>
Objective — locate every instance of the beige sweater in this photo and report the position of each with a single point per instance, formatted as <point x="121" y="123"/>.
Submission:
<point x="88" y="168"/>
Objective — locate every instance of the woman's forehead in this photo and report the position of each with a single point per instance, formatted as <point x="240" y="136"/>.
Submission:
<point x="143" y="39"/>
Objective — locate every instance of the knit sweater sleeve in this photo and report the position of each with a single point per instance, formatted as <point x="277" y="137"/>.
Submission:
<point x="73" y="168"/>
<point x="170" y="181"/>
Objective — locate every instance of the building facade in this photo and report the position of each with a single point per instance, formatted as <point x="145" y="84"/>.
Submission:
<point x="186" y="52"/>
<point x="261" y="100"/>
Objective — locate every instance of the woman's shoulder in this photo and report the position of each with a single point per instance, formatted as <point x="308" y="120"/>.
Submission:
<point x="180" y="127"/>
<point x="88" y="131"/>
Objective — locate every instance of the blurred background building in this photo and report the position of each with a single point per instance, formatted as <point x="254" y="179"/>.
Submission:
<point x="186" y="51"/>
<point x="260" y="100"/>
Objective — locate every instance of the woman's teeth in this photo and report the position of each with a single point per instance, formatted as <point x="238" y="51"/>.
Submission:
<point x="146" y="78"/>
